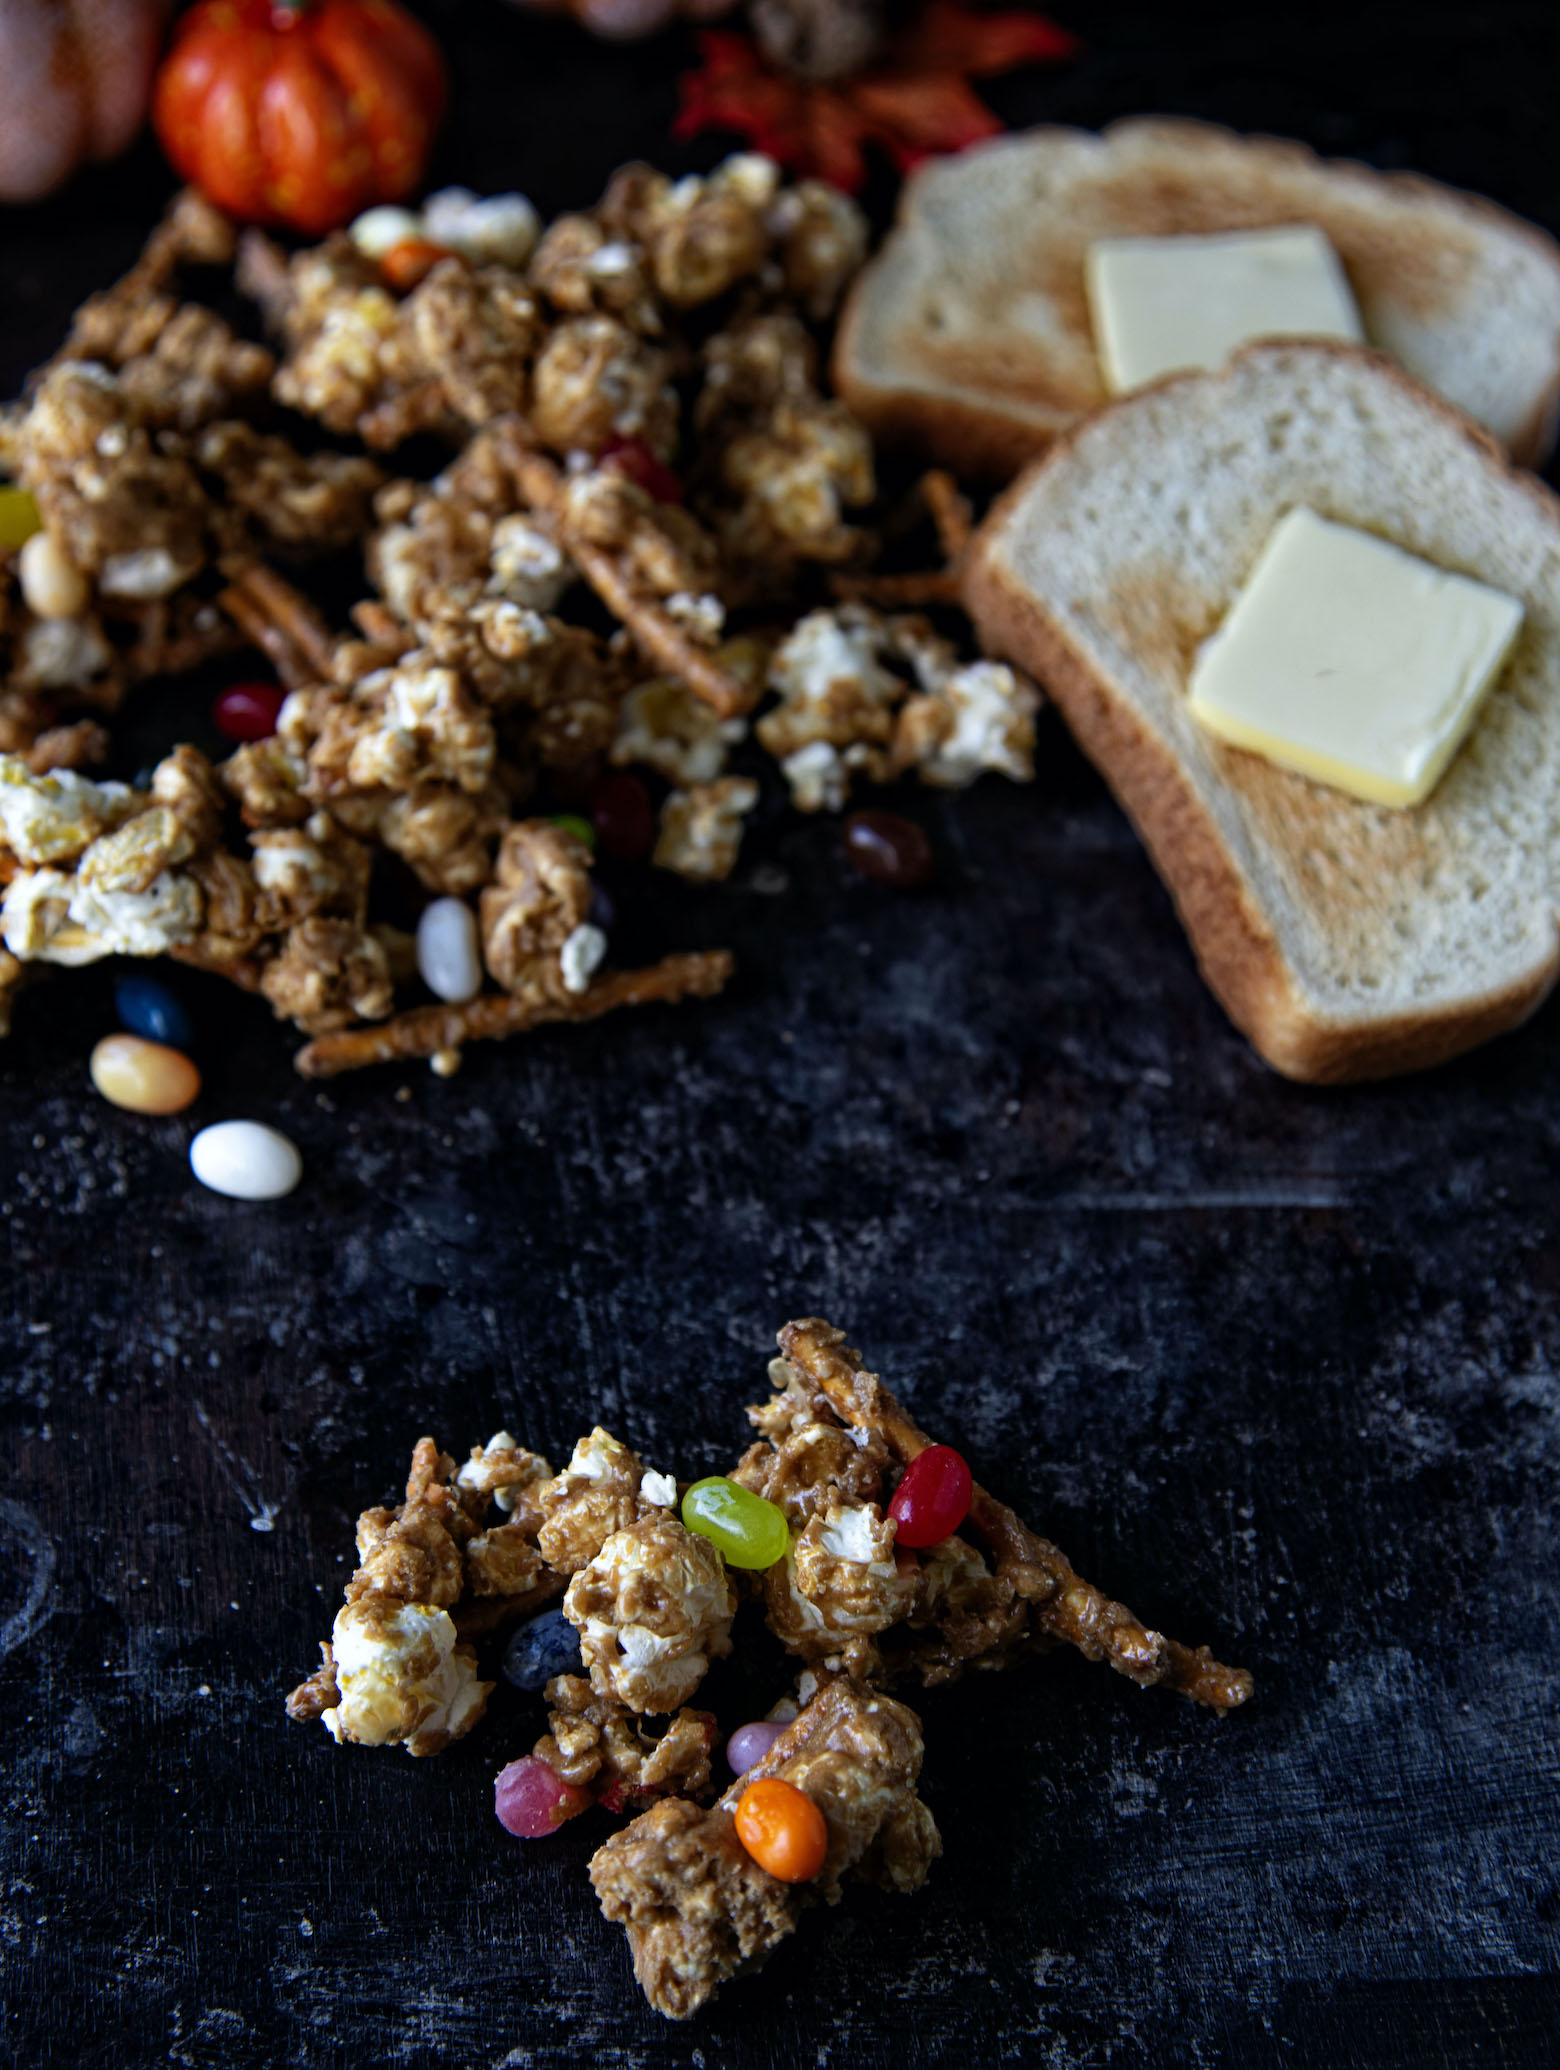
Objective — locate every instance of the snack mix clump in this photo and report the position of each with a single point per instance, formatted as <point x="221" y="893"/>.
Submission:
<point x="652" y="1574"/>
<point x="649" y="517"/>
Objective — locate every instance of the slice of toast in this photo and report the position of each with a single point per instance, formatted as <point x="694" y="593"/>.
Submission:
<point x="968" y="336"/>
<point x="1347" y="940"/>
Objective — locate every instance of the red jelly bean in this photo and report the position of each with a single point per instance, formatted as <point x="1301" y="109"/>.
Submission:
<point x="889" y="849"/>
<point x="632" y="457"/>
<point x="532" y="1801"/>
<point x="248" y="711"/>
<point x="624" y="818"/>
<point x="933" y="1499"/>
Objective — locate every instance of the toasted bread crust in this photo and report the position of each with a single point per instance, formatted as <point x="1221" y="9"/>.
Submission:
<point x="989" y="434"/>
<point x="1237" y="950"/>
<point x="1535" y="442"/>
<point x="976" y="437"/>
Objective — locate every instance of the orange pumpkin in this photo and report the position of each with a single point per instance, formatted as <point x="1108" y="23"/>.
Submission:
<point x="302" y="113"/>
<point x="74" y="82"/>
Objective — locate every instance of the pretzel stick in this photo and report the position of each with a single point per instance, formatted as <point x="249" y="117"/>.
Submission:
<point x="428" y="1029"/>
<point x="1064" y="1605"/>
<point x="381" y="628"/>
<point x="923" y="586"/>
<point x="657" y="632"/>
<point x="275" y="602"/>
<point x="259" y="631"/>
<point x="950" y="512"/>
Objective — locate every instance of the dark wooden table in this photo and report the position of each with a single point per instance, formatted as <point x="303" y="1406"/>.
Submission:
<point x="1276" y="1365"/>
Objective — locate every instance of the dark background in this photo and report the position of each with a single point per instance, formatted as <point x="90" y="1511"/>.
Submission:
<point x="1277" y="1365"/>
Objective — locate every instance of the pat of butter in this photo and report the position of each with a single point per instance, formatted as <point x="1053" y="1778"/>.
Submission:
<point x="1352" y="661"/>
<point x="1163" y="305"/>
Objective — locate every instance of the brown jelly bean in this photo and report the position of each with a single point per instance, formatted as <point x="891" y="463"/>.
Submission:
<point x="889" y="849"/>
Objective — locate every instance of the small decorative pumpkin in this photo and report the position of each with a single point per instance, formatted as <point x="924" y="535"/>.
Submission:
<point x="300" y="112"/>
<point x="75" y="76"/>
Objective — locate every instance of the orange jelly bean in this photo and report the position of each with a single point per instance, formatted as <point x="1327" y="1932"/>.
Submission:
<point x="410" y="261"/>
<point x="782" y="1829"/>
<point x="147" y="1077"/>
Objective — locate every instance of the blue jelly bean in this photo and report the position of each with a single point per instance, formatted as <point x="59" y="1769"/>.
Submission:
<point x="547" y="1646"/>
<point x="150" y="1009"/>
<point x="603" y="913"/>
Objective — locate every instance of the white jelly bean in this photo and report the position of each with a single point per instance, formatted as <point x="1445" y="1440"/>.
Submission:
<point x="447" y="953"/>
<point x="51" y="584"/>
<point x="245" y="1160"/>
<point x="380" y="230"/>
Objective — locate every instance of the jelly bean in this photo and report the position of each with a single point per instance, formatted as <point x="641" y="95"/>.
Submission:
<point x="603" y="913"/>
<point x="410" y="261"/>
<point x="744" y="1528"/>
<point x="147" y="1077"/>
<point x="624" y="818"/>
<point x="245" y="1160"/>
<point x="547" y="1646"/>
<point x="750" y="1743"/>
<point x="633" y="458"/>
<point x="19" y="517"/>
<point x="150" y="1009"/>
<point x="248" y="711"/>
<point x="52" y="586"/>
<point x="532" y="1801"/>
<point x="782" y="1829"/>
<point x="581" y="829"/>
<point x="449" y="958"/>
<point x="933" y="1499"/>
<point x="379" y="230"/>
<point x="888" y="849"/>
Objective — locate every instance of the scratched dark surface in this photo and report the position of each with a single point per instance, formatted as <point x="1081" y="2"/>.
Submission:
<point x="1277" y="1365"/>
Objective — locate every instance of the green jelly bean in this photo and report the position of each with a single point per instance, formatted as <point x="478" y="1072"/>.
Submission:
<point x="581" y="829"/>
<point x="747" y="1530"/>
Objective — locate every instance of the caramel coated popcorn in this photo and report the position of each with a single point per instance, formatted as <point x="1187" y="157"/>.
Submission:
<point x="396" y="1671"/>
<point x="653" y="1608"/>
<point x="645" y="482"/>
<point x="596" y="1740"/>
<point x="701" y="828"/>
<point x="596" y="1495"/>
<point x="654" y="1603"/>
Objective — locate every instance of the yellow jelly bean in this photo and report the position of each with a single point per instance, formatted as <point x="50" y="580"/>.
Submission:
<point x="147" y="1077"/>
<point x="19" y="517"/>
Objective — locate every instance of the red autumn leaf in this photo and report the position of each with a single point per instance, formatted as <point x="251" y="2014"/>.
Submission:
<point x="912" y="118"/>
<point x="915" y="101"/>
<point x="948" y="38"/>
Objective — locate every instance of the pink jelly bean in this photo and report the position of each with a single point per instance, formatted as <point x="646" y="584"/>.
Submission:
<point x="532" y="1801"/>
<point x="750" y="1743"/>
